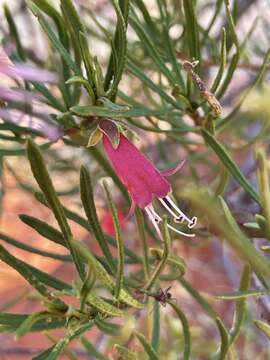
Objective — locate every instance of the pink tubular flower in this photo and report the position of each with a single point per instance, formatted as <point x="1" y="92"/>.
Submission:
<point x="144" y="182"/>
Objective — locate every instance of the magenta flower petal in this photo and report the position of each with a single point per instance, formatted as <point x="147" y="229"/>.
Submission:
<point x="142" y="179"/>
<point x="173" y="170"/>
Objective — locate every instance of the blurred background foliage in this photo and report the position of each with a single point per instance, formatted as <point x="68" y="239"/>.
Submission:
<point x="185" y="79"/>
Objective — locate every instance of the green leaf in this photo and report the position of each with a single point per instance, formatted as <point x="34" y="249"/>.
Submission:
<point x="92" y="350"/>
<point x="120" y="46"/>
<point x="159" y="268"/>
<point x="51" y="100"/>
<point x="87" y="286"/>
<point x="152" y="355"/>
<point x="241" y="295"/>
<point x="43" y="179"/>
<point x="21" y="150"/>
<point x="32" y="249"/>
<point x="141" y="230"/>
<point x="44" y="355"/>
<point x="44" y="229"/>
<point x="34" y="276"/>
<point x="223" y="58"/>
<point x="151" y="49"/>
<point x="186" y="331"/>
<point x="89" y="110"/>
<point x="156" y="326"/>
<point x="198" y="298"/>
<point x="230" y="165"/>
<point x="192" y="31"/>
<point x="80" y="80"/>
<point x="105" y="278"/>
<point x="103" y="306"/>
<point x="241" y="305"/>
<point x="175" y="261"/>
<point x="74" y="17"/>
<point x="14" y="32"/>
<point x="124" y="353"/>
<point x="49" y="10"/>
<point x="136" y="71"/>
<point x="88" y="61"/>
<point x="119" y="240"/>
<point x="263" y="184"/>
<point x="88" y="202"/>
<point x="55" y="41"/>
<point x="10" y="322"/>
<point x="59" y="347"/>
<point x="264" y="327"/>
<point x="85" y="224"/>
<point x="224" y="335"/>
<point x="28" y="323"/>
<point x="108" y="104"/>
<point x="258" y="262"/>
<point x="107" y="327"/>
<point x="171" y="53"/>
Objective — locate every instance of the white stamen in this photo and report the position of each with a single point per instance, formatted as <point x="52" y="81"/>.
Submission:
<point x="180" y="232"/>
<point x="154" y="219"/>
<point x="154" y="216"/>
<point x="191" y="222"/>
<point x="169" y="209"/>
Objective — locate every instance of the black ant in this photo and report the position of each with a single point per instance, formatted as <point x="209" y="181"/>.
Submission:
<point x="162" y="296"/>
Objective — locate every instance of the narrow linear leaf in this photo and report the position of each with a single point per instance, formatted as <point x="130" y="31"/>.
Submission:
<point x="10" y="322"/>
<point x="105" y="278"/>
<point x="263" y="326"/>
<point x="103" y="306"/>
<point x="156" y="326"/>
<point x="264" y="188"/>
<point x="55" y="41"/>
<point x="223" y="59"/>
<point x="85" y="224"/>
<point x="107" y="327"/>
<point x="92" y="350"/>
<point x="167" y="242"/>
<point x="32" y="249"/>
<point x="27" y="324"/>
<point x="43" y="179"/>
<point x="224" y="335"/>
<point x="44" y="229"/>
<point x="152" y="355"/>
<point x="230" y="165"/>
<point x="186" y="331"/>
<point x="141" y="230"/>
<point x="192" y="32"/>
<point x="136" y="71"/>
<point x="14" y="32"/>
<point x="31" y="274"/>
<point x="241" y="305"/>
<point x="120" y="45"/>
<point x="99" y="111"/>
<point x="151" y="49"/>
<point x="88" y="202"/>
<point x="119" y="240"/>
<point x="124" y="353"/>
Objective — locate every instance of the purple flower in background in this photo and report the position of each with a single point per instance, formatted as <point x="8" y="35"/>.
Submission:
<point x="42" y="126"/>
<point x="41" y="123"/>
<point x="144" y="182"/>
<point x="23" y="71"/>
